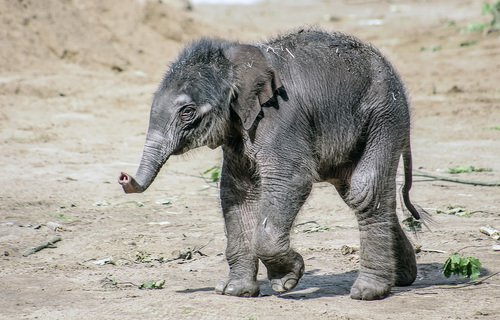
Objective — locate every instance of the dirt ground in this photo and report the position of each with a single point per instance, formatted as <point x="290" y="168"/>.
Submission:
<point x="76" y="82"/>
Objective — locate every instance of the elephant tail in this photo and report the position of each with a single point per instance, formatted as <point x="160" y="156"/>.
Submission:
<point x="416" y="211"/>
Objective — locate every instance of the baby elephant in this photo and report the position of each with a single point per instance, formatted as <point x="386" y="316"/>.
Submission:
<point x="306" y="107"/>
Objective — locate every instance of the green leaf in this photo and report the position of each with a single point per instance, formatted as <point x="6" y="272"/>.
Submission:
<point x="467" y="267"/>
<point x="491" y="9"/>
<point x="457" y="170"/>
<point x="432" y="49"/>
<point x="447" y="268"/>
<point x="411" y="224"/>
<point x="475" y="267"/>
<point x="487" y="8"/>
<point x="468" y="43"/>
<point x="213" y="173"/>
<point x="436" y="48"/>
<point x="455" y="211"/>
<point x="467" y="169"/>
<point x="63" y="217"/>
<point x="476" y="27"/>
<point x="215" y="176"/>
<point x="152" y="284"/>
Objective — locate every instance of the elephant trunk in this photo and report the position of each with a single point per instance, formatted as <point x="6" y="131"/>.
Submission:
<point x="152" y="160"/>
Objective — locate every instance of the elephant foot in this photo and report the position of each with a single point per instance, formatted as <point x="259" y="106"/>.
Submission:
<point x="238" y="288"/>
<point x="285" y="283"/>
<point x="285" y="276"/>
<point x="370" y="288"/>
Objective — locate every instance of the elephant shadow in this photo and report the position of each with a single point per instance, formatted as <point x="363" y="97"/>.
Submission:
<point x="316" y="284"/>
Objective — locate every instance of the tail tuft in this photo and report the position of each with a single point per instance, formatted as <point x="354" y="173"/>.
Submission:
<point x="416" y="211"/>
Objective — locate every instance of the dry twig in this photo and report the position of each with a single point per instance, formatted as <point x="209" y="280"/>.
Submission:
<point x="462" y="181"/>
<point x="469" y="284"/>
<point x="49" y="244"/>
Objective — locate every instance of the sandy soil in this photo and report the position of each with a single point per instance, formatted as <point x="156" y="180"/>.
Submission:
<point x="75" y="86"/>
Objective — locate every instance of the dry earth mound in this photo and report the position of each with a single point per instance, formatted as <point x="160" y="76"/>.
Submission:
<point x="117" y="34"/>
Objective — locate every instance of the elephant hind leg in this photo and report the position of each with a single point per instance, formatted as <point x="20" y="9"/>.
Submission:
<point x="406" y="264"/>
<point x="386" y="255"/>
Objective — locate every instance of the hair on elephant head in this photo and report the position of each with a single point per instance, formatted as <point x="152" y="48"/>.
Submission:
<point x="192" y="106"/>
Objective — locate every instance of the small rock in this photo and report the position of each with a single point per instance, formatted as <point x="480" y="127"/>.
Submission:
<point x="371" y="22"/>
<point x="116" y="68"/>
<point x="102" y="203"/>
<point x="131" y="204"/>
<point x="345" y="250"/>
<point x="139" y="74"/>
<point x="6" y="253"/>
<point x="188" y="6"/>
<point x="159" y="223"/>
<point x="164" y="202"/>
<point x="28" y="225"/>
<point x="455" y="89"/>
<point x="331" y="18"/>
<point x="54" y="226"/>
<point x="104" y="261"/>
<point x="354" y="259"/>
<point x="490" y="231"/>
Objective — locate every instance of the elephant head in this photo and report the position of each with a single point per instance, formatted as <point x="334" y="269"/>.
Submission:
<point x="195" y="101"/>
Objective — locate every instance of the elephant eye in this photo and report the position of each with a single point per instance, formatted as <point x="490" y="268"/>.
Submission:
<point x="187" y="113"/>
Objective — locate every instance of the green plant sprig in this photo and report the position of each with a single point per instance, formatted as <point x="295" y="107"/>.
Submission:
<point x="467" y="267"/>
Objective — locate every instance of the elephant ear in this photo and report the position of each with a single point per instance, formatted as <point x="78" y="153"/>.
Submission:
<point x="256" y="82"/>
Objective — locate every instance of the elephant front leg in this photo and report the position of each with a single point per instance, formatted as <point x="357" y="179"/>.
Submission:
<point x="284" y="265"/>
<point x="243" y="263"/>
<point x="239" y="199"/>
<point x="280" y="204"/>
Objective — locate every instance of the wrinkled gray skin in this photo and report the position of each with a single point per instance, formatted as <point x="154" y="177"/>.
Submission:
<point x="309" y="106"/>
